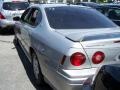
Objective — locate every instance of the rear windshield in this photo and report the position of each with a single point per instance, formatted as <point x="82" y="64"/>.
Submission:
<point x="15" y="5"/>
<point x="69" y="17"/>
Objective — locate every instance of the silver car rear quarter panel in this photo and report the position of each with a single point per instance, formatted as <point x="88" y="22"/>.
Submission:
<point x="64" y="79"/>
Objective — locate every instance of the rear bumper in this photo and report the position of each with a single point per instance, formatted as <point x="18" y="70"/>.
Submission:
<point x="72" y="79"/>
<point x="4" y="23"/>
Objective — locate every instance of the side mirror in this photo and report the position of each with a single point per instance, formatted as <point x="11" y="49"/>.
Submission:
<point x="16" y="18"/>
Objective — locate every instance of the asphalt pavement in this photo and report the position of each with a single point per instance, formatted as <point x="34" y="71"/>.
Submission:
<point x="15" y="69"/>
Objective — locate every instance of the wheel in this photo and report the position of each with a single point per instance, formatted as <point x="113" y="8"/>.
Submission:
<point x="37" y="71"/>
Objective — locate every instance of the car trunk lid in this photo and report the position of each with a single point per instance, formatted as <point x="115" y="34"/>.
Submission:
<point x="103" y="40"/>
<point x="110" y="47"/>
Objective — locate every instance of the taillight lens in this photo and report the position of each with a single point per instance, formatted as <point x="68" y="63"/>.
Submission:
<point x="77" y="59"/>
<point x="98" y="57"/>
<point x="1" y="16"/>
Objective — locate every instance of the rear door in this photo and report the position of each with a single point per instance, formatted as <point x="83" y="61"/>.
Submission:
<point x="19" y="30"/>
<point x="30" y="27"/>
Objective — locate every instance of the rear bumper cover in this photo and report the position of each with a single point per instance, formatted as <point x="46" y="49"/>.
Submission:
<point x="72" y="79"/>
<point x="6" y="23"/>
<point x="77" y="76"/>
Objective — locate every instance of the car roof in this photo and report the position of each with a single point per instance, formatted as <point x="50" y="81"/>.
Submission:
<point x="55" y="5"/>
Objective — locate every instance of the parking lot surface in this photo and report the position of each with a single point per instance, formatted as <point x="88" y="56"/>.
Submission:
<point x="15" y="69"/>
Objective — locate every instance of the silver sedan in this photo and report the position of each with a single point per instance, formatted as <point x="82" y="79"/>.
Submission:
<point x="66" y="44"/>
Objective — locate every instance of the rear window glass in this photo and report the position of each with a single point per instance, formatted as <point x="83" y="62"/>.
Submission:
<point x="69" y="17"/>
<point x="15" y="5"/>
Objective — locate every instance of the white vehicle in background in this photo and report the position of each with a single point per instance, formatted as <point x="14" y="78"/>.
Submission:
<point x="10" y="9"/>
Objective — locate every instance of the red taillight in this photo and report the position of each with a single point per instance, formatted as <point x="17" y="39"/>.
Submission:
<point x="1" y="16"/>
<point x="77" y="59"/>
<point x="98" y="57"/>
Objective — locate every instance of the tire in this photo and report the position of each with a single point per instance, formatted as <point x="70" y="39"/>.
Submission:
<point x="39" y="79"/>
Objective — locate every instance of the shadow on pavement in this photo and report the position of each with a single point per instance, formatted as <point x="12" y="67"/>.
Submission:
<point x="7" y="31"/>
<point x="28" y="67"/>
